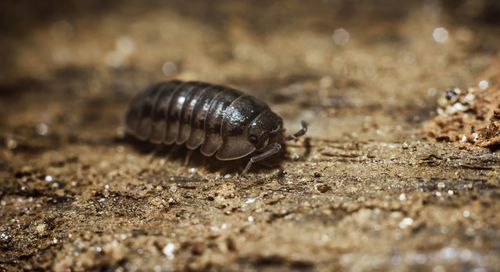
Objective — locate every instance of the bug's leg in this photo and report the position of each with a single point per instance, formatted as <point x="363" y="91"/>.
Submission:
<point x="188" y="157"/>
<point x="299" y="133"/>
<point x="273" y="150"/>
<point x="154" y="153"/>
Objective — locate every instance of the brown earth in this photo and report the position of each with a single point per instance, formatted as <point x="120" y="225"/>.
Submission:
<point x="364" y="191"/>
<point x="468" y="118"/>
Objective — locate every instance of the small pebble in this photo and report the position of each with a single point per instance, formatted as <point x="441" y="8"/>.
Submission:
<point x="250" y="201"/>
<point x="323" y="188"/>
<point x="4" y="237"/>
<point x="406" y="222"/>
<point x="402" y="197"/>
<point x="475" y="136"/>
<point x="40" y="228"/>
<point x="469" y="98"/>
<point x="168" y="250"/>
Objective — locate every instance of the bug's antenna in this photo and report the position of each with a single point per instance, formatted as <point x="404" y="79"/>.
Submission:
<point x="299" y="133"/>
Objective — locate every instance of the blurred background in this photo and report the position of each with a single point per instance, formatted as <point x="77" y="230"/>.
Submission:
<point x="317" y="60"/>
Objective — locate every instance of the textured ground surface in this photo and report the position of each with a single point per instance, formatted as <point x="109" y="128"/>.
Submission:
<point x="365" y="191"/>
<point x="468" y="117"/>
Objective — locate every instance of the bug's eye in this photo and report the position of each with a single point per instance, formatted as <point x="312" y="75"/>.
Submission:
<point x="253" y="139"/>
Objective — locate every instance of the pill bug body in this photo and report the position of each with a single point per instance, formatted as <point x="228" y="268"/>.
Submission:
<point x="219" y="120"/>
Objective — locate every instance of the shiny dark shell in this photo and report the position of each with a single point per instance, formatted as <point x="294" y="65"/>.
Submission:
<point x="220" y="120"/>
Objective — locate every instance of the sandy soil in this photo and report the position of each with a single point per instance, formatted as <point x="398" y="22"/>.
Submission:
<point x="468" y="117"/>
<point x="364" y="191"/>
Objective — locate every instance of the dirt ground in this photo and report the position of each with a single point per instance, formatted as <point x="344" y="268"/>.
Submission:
<point x="364" y="191"/>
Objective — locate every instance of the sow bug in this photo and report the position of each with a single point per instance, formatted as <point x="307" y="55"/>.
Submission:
<point x="220" y="120"/>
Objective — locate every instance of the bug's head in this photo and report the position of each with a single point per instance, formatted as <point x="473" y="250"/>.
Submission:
<point x="260" y="135"/>
<point x="264" y="130"/>
<point x="240" y="141"/>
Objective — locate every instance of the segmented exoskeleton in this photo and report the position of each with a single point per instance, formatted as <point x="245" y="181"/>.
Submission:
<point x="220" y="120"/>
